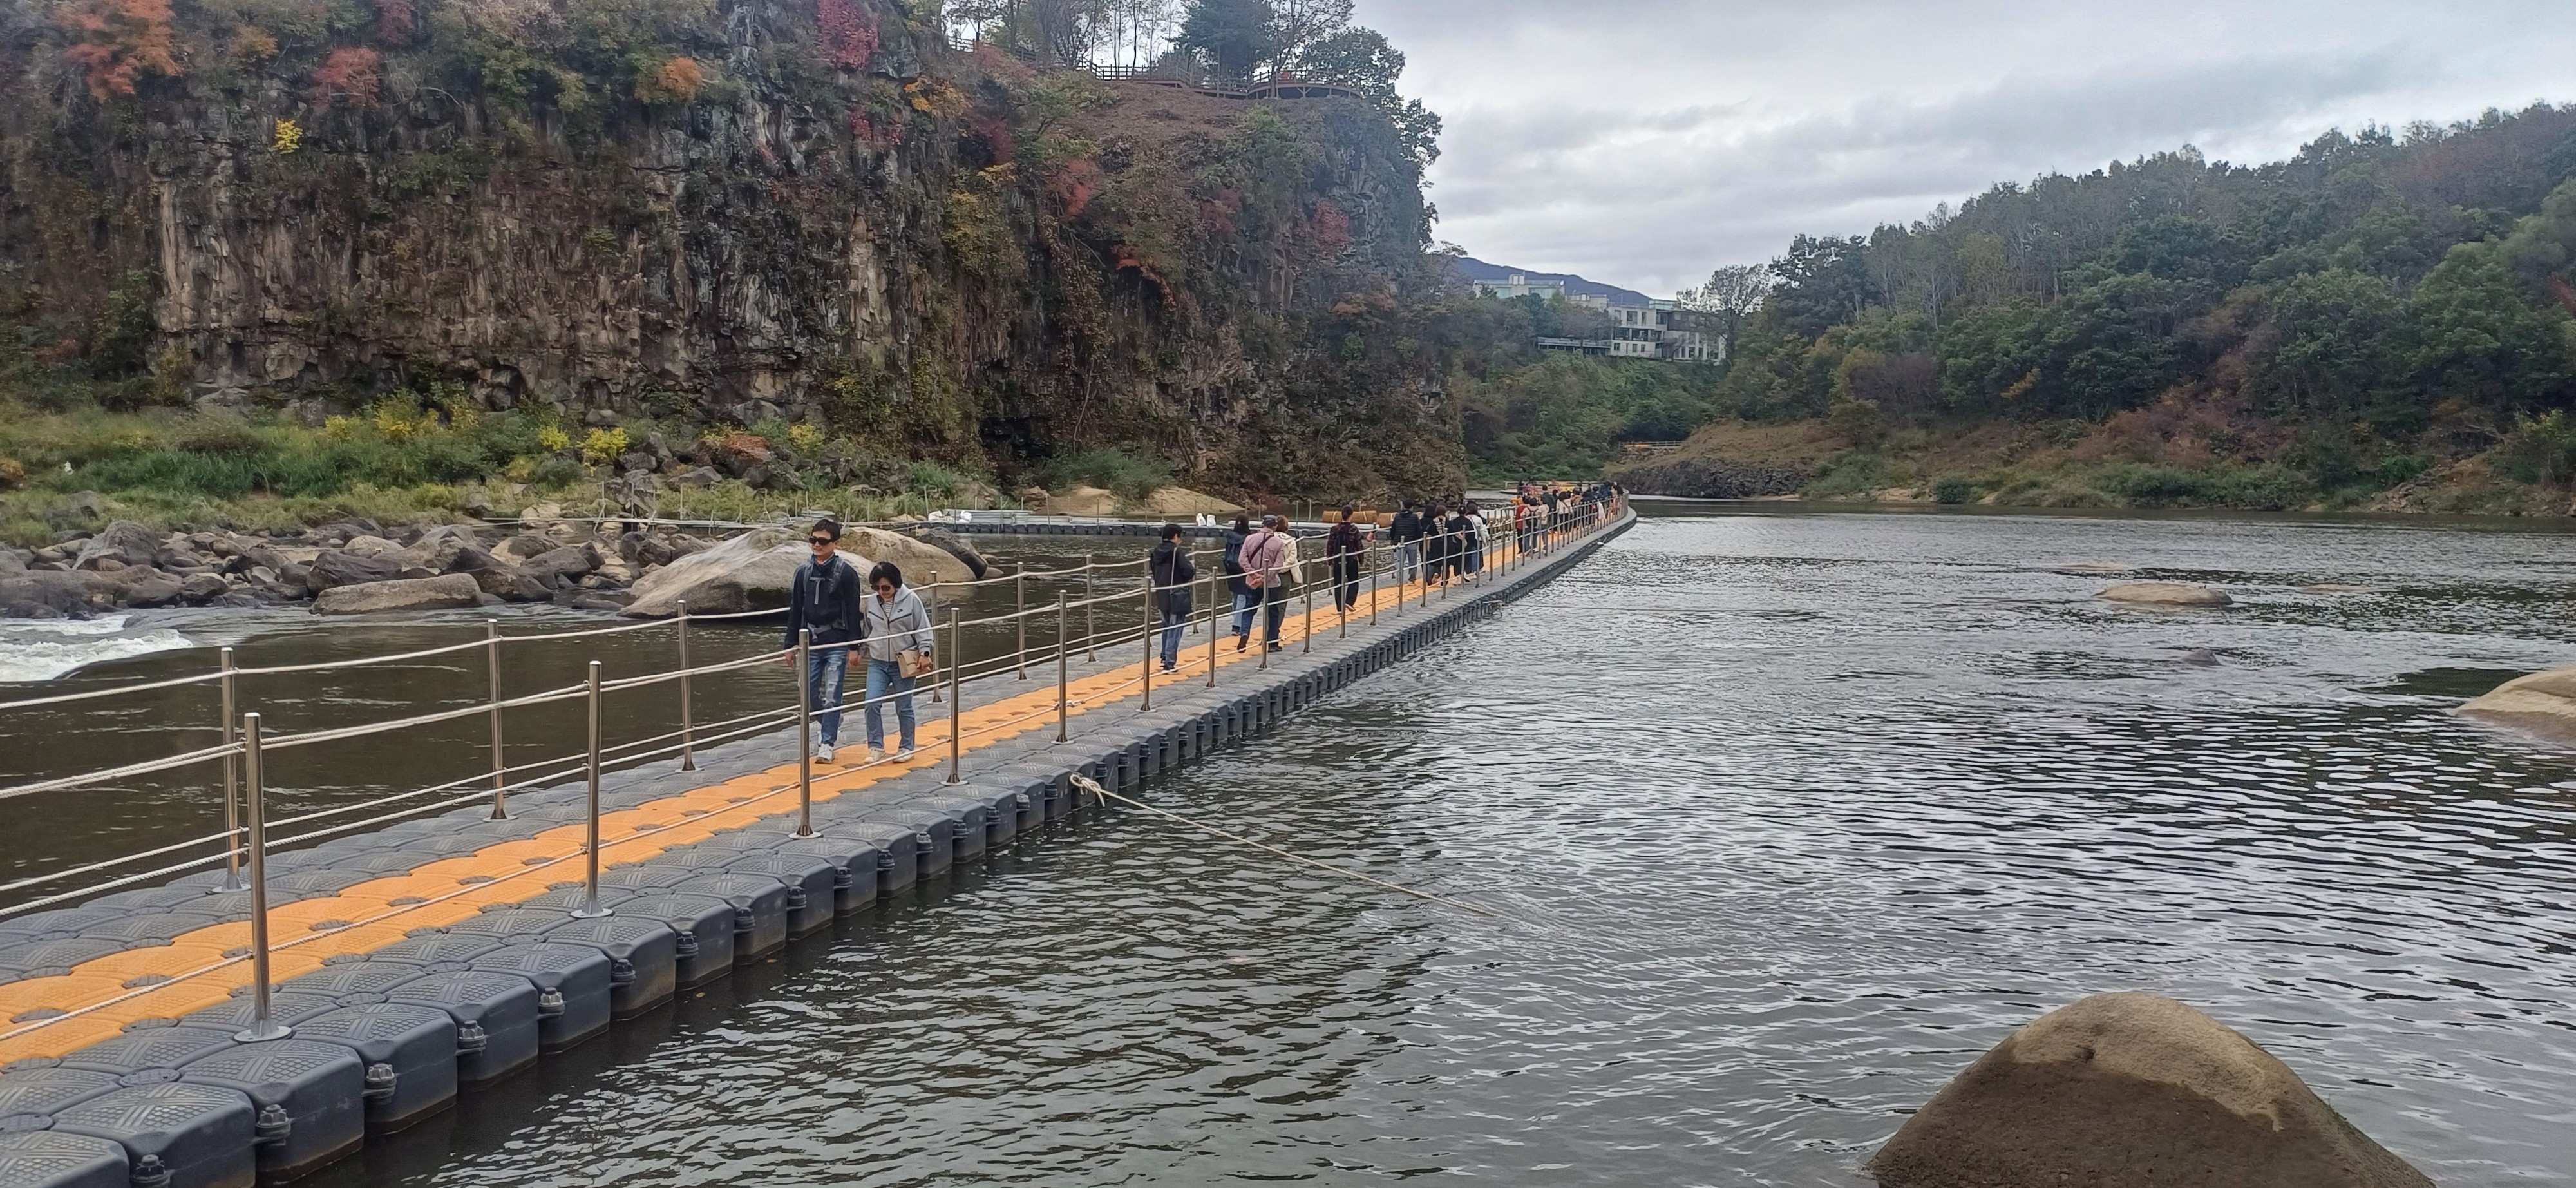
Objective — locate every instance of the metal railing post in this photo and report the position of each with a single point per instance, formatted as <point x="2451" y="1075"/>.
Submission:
<point x="590" y="907"/>
<point x="805" y="730"/>
<point x="1373" y="570"/>
<point x="1152" y="630"/>
<point x="688" y="737"/>
<point x="1020" y="613"/>
<point x="262" y="1025"/>
<point x="1063" y="679"/>
<point x="1213" y="633"/>
<point x="500" y="761"/>
<point x="1090" y="630"/>
<point x="956" y="720"/>
<point x="1306" y="621"/>
<point x="232" y="783"/>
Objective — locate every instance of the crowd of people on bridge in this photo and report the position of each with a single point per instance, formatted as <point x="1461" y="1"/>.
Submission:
<point x="833" y="611"/>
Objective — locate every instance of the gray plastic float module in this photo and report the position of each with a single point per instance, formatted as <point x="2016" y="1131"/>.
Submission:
<point x="237" y="1015"/>
<point x="496" y="1019"/>
<point x="49" y="958"/>
<point x="49" y="1159"/>
<point x="311" y="1111"/>
<point x="898" y="849"/>
<point x="198" y="1135"/>
<point x="409" y="1052"/>
<point x="643" y="959"/>
<point x="926" y="833"/>
<point x="58" y="924"/>
<point x="702" y="949"/>
<point x="572" y="988"/>
<point x="438" y="952"/>
<point x="29" y="1098"/>
<point x="854" y="862"/>
<point x="149" y="1056"/>
<point x="340" y="982"/>
<point x="760" y="909"/>
<point x="813" y="884"/>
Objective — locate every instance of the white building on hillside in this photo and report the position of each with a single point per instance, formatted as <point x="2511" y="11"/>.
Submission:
<point x="1519" y="284"/>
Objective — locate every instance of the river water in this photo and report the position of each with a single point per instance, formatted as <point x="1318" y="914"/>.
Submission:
<point x="1788" y="816"/>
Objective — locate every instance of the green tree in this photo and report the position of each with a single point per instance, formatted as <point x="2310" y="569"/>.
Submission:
<point x="1363" y="60"/>
<point x="2327" y="340"/>
<point x="1823" y="280"/>
<point x="1234" y="37"/>
<point x="2470" y="333"/>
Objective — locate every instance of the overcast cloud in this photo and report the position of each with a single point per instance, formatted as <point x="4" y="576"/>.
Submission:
<point x="1645" y="142"/>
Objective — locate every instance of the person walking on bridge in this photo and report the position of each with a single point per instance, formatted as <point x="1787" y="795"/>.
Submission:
<point x="1237" y="582"/>
<point x="1475" y="538"/>
<point x="899" y="644"/>
<point x="1342" y="549"/>
<point x="1267" y="568"/>
<point x="823" y="597"/>
<point x="1435" y="544"/>
<point x="1173" y="572"/>
<point x="1404" y="535"/>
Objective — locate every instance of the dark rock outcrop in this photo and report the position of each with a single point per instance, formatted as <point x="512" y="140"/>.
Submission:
<point x="1712" y="478"/>
<point x="2132" y="1089"/>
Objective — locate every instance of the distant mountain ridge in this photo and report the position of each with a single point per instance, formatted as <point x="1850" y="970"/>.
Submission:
<point x="1477" y="270"/>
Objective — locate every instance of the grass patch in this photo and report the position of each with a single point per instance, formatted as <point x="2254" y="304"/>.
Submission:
<point x="1128" y="474"/>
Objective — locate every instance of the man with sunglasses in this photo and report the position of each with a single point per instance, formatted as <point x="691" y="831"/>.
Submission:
<point x="824" y="597"/>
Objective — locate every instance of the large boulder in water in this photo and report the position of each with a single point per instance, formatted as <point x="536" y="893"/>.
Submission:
<point x="2132" y="1089"/>
<point x="445" y="592"/>
<point x="2166" y="594"/>
<point x="751" y="571"/>
<point x="2543" y="702"/>
<point x="955" y="546"/>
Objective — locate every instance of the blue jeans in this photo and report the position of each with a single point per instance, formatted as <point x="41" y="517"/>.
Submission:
<point x="1278" y="606"/>
<point x="885" y="676"/>
<point x="824" y="668"/>
<point x="1173" y="621"/>
<point x="1243" y="604"/>
<point x="1408" y="561"/>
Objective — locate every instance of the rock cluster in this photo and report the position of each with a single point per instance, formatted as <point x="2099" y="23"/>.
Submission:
<point x="343" y="567"/>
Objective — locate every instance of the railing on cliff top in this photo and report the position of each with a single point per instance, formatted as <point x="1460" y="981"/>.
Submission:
<point x="1173" y="73"/>
<point x="242" y="847"/>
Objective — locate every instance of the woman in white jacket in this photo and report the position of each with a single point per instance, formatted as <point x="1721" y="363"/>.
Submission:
<point x="897" y="623"/>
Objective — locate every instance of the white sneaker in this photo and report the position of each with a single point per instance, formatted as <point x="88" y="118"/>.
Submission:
<point x="875" y="754"/>
<point x="903" y="755"/>
<point x="823" y="754"/>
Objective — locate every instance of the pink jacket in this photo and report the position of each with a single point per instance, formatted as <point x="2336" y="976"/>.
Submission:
<point x="1266" y="554"/>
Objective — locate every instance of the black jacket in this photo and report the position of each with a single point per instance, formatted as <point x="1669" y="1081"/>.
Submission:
<point x="829" y="603"/>
<point x="1234" y="563"/>
<point x="1406" y="528"/>
<point x="1173" y="572"/>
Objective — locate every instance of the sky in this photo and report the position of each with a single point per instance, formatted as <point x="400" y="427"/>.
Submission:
<point x="1645" y="142"/>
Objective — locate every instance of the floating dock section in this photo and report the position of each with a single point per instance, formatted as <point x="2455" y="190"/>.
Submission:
<point x="430" y="958"/>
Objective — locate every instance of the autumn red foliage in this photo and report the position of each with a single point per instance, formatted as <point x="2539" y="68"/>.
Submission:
<point x="350" y="76"/>
<point x="875" y="135"/>
<point x="119" y="40"/>
<point x="849" y="35"/>
<point x="1076" y="184"/>
<point x="396" y="21"/>
<point x="995" y="132"/>
<point x="1332" y="228"/>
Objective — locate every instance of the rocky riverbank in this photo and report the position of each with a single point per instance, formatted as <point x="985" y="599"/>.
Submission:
<point x="357" y="565"/>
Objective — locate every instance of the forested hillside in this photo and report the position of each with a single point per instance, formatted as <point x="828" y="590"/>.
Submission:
<point x="2385" y="319"/>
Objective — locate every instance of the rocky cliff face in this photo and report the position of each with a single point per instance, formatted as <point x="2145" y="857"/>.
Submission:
<point x="722" y="213"/>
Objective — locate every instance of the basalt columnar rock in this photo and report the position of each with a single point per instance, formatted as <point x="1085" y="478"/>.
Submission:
<point x="2542" y="702"/>
<point x="719" y="215"/>
<point x="2175" y="594"/>
<point x="2132" y="1089"/>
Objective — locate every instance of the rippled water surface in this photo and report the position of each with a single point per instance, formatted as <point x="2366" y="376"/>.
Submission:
<point x="1789" y="817"/>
